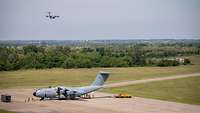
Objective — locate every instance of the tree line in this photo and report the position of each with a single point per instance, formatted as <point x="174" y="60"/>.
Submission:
<point x="40" y="56"/>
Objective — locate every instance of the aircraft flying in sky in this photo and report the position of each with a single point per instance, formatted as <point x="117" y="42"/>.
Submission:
<point x="50" y="16"/>
<point x="72" y="92"/>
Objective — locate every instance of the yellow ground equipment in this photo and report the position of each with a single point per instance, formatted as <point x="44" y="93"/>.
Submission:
<point x="123" y="95"/>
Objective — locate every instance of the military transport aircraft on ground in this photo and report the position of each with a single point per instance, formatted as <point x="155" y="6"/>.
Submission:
<point x="72" y="92"/>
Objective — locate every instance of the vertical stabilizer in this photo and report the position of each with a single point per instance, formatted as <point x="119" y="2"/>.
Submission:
<point x="100" y="78"/>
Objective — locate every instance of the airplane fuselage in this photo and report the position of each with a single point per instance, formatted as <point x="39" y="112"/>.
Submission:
<point x="72" y="92"/>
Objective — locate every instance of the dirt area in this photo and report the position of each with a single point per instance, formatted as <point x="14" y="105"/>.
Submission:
<point x="102" y="103"/>
<point x="150" y="80"/>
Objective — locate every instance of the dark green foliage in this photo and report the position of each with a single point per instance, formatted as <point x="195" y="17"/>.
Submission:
<point x="166" y="62"/>
<point x="137" y="57"/>
<point x="186" y="61"/>
<point x="69" y="63"/>
<point x="112" y="62"/>
<point x="111" y="55"/>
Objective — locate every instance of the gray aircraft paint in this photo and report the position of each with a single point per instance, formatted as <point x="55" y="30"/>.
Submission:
<point x="72" y="92"/>
<point x="100" y="79"/>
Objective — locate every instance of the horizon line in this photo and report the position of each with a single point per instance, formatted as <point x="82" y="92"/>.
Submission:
<point x="99" y="39"/>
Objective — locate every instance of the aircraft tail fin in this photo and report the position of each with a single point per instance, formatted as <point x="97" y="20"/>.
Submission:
<point x="100" y="78"/>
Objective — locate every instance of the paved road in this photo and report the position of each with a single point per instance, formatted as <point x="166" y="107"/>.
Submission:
<point x="102" y="103"/>
<point x="150" y="80"/>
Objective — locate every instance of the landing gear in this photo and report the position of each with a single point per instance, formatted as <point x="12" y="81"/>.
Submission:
<point x="41" y="98"/>
<point x="72" y="97"/>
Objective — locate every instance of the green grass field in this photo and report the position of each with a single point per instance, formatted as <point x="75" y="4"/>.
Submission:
<point x="77" y="77"/>
<point x="184" y="90"/>
<point x="4" y="111"/>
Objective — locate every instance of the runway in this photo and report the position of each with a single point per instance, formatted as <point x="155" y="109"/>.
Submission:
<point x="102" y="103"/>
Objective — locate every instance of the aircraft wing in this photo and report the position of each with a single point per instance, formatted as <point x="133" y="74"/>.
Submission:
<point x="78" y="91"/>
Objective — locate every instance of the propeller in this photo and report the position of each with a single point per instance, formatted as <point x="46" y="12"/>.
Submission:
<point x="58" y="91"/>
<point x="65" y="92"/>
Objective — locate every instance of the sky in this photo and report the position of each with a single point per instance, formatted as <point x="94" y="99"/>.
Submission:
<point x="99" y="19"/>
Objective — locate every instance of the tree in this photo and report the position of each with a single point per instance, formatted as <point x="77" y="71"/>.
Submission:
<point x="101" y="51"/>
<point x="186" y="61"/>
<point x="30" y="48"/>
<point x="137" y="57"/>
<point x="68" y="63"/>
<point x="113" y="62"/>
<point x="165" y="62"/>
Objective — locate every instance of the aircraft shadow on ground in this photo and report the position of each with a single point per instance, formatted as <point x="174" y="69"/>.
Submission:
<point x="76" y="99"/>
<point x="102" y="97"/>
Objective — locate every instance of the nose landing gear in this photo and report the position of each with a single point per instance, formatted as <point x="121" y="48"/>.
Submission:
<point x="34" y="93"/>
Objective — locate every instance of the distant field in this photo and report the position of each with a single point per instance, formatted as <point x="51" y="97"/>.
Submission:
<point x="185" y="90"/>
<point x="77" y="77"/>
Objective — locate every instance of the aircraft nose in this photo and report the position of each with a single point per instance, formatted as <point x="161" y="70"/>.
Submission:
<point x="34" y="93"/>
